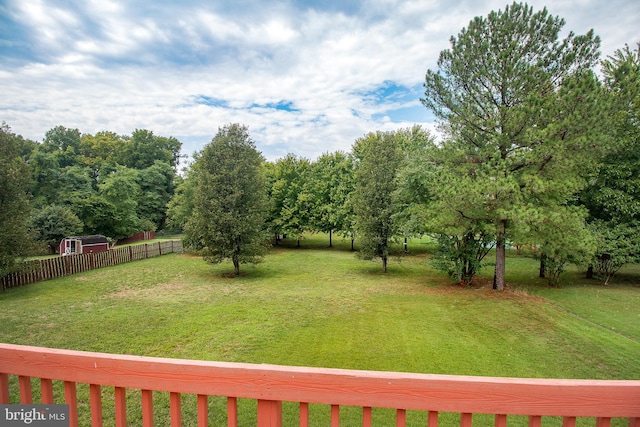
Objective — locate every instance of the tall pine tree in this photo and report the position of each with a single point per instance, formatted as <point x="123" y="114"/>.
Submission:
<point x="520" y="107"/>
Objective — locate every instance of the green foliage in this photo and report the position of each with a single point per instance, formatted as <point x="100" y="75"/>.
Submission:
<point x="378" y="159"/>
<point x="229" y="206"/>
<point x="156" y="189"/>
<point x="53" y="223"/>
<point x="180" y="207"/>
<point x="414" y="178"/>
<point x="289" y="211"/>
<point x="329" y="187"/>
<point x="522" y="111"/>
<point x="564" y="239"/>
<point x="121" y="190"/>
<point x="613" y="195"/>
<point x="15" y="237"/>
<point x="461" y="257"/>
<point x="144" y="148"/>
<point x="64" y="144"/>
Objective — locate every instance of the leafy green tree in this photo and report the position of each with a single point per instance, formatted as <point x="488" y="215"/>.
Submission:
<point x="46" y="177"/>
<point x="522" y="113"/>
<point x="289" y="204"/>
<point x="156" y="189"/>
<point x="413" y="193"/>
<point x="121" y="191"/>
<point x="453" y="215"/>
<point x="613" y="195"/>
<point x="53" y="223"/>
<point x="230" y="199"/>
<point x="563" y="238"/>
<point x="180" y="207"/>
<point x="98" y="215"/>
<point x="64" y="144"/>
<point x="329" y="186"/>
<point x="15" y="237"/>
<point x="378" y="159"/>
<point x="103" y="148"/>
<point x="143" y="148"/>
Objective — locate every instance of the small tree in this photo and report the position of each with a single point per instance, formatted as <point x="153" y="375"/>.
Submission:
<point x="329" y="186"/>
<point x="229" y="210"/>
<point x="53" y="223"/>
<point x="288" y="199"/>
<point x="378" y="159"/>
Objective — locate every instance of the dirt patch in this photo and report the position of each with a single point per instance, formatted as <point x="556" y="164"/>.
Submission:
<point x="161" y="291"/>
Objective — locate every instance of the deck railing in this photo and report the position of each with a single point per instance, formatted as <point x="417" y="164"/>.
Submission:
<point x="271" y="385"/>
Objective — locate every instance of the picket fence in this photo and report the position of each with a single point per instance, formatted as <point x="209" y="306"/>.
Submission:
<point x="52" y="268"/>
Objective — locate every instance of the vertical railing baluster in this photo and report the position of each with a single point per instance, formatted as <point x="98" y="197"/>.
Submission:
<point x="4" y="389"/>
<point x="175" y="408"/>
<point x="367" y="417"/>
<point x="95" y="403"/>
<point x="634" y="422"/>
<point x="401" y="418"/>
<point x="465" y="419"/>
<point x="569" y="422"/>
<point x="46" y="390"/>
<point x="120" y="397"/>
<point x="147" y="408"/>
<point x="71" y="399"/>
<point x="232" y="412"/>
<point x="335" y="416"/>
<point x="535" y="421"/>
<point x="603" y="422"/>
<point x="432" y="419"/>
<point x="203" y="410"/>
<point x="501" y="420"/>
<point x="25" y="389"/>
<point x="269" y="413"/>
<point x="304" y="414"/>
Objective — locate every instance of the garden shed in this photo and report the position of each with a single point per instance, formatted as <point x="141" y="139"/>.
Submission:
<point x="83" y="245"/>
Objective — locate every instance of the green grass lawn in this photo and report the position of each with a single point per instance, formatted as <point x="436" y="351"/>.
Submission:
<point x="315" y="306"/>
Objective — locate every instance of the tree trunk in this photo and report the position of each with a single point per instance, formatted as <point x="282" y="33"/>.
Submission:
<point x="590" y="272"/>
<point x="384" y="264"/>
<point x="406" y="249"/>
<point x="330" y="240"/>
<point x="543" y="267"/>
<point x="236" y="265"/>
<point x="498" y="276"/>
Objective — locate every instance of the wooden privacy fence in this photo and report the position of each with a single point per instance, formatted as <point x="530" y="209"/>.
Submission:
<point x="45" y="269"/>
<point x="270" y="385"/>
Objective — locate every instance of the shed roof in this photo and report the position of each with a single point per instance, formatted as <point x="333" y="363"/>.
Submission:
<point x="88" y="240"/>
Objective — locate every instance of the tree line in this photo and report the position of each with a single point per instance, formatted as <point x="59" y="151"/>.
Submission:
<point x="536" y="148"/>
<point x="72" y="183"/>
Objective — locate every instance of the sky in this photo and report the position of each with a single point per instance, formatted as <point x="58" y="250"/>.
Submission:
<point x="307" y="77"/>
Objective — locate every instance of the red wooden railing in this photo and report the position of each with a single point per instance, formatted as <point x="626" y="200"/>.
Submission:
<point x="271" y="385"/>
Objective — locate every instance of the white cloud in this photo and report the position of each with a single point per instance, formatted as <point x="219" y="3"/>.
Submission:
<point x="113" y="65"/>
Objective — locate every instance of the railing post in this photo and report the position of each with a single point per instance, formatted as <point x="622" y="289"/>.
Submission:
<point x="269" y="413"/>
<point x="4" y="389"/>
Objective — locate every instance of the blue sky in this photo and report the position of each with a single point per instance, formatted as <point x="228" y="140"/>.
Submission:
<point x="307" y="77"/>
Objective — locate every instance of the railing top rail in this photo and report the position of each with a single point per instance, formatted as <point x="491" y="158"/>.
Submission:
<point x="446" y="393"/>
